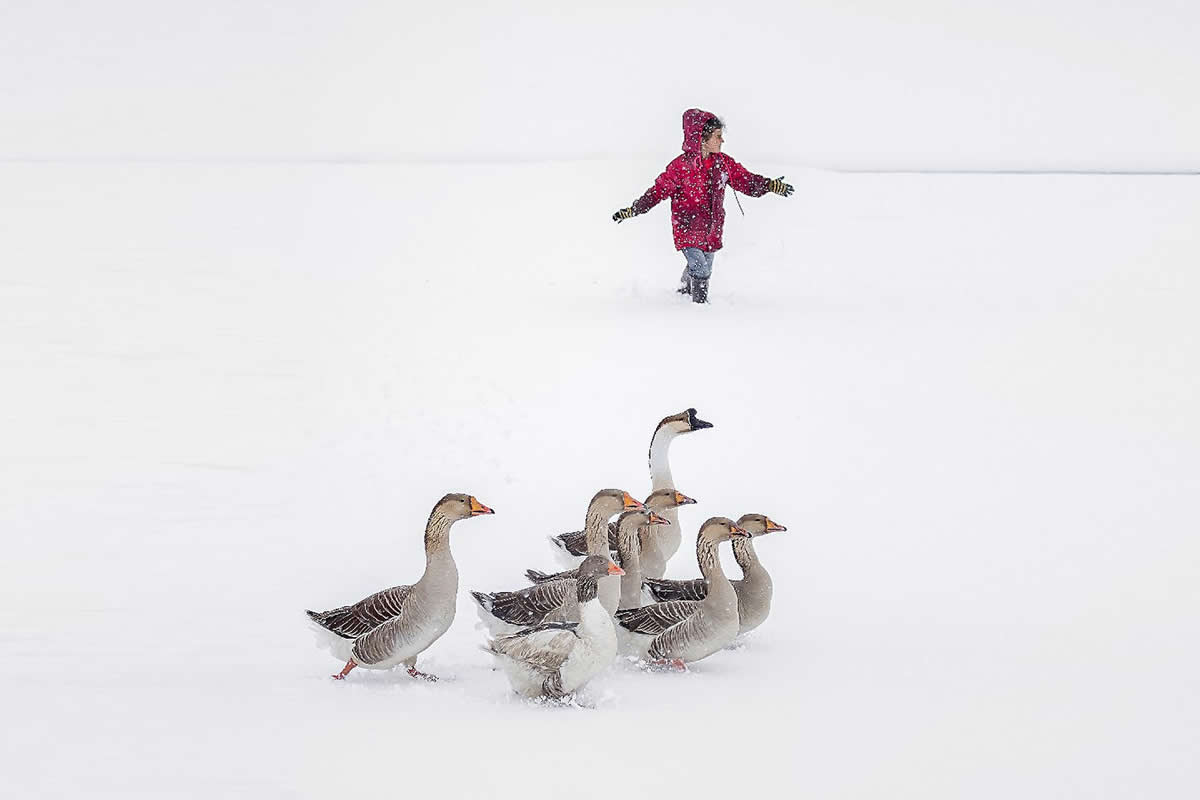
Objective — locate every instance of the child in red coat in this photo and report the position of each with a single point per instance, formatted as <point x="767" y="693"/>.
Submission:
<point x="695" y="181"/>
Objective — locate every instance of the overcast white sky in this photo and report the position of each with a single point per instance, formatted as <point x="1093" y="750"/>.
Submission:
<point x="867" y="83"/>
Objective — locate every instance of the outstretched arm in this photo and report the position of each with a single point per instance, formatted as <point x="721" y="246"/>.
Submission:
<point x="754" y="185"/>
<point x="664" y="186"/>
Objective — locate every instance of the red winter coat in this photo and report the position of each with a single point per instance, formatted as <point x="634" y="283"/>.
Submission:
<point x="697" y="188"/>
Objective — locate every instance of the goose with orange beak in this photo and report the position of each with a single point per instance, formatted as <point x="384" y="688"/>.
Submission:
<point x="682" y="631"/>
<point x="396" y="625"/>
<point x="753" y="590"/>
<point x="555" y="659"/>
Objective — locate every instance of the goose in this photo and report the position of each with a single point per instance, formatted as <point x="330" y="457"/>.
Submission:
<point x="630" y="535"/>
<point x="506" y="612"/>
<point x="753" y="590"/>
<point x="396" y="625"/>
<point x="576" y="543"/>
<point x="682" y="631"/>
<point x="667" y="541"/>
<point x="555" y="659"/>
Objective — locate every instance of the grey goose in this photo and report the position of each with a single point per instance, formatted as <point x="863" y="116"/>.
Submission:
<point x="555" y="659"/>
<point x="682" y="631"/>
<point x="753" y="590"/>
<point x="396" y="625"/>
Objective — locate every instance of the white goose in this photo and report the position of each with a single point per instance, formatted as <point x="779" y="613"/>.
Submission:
<point x="654" y="560"/>
<point x="666" y="540"/>
<point x="682" y="631"/>
<point x="396" y="625"/>
<point x="557" y="658"/>
<point x="753" y="590"/>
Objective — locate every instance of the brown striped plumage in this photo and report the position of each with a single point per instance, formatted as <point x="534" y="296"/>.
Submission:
<point x="350" y="622"/>
<point x="532" y="605"/>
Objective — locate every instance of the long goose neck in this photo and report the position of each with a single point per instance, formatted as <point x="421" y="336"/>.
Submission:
<point x="439" y="562"/>
<point x="708" y="559"/>
<point x="747" y="559"/>
<point x="595" y="528"/>
<point x="720" y="590"/>
<point x="631" y="561"/>
<point x="660" y="467"/>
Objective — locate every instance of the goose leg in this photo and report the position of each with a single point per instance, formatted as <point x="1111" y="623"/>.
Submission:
<point x="676" y="664"/>
<point x="345" y="670"/>
<point x="416" y="673"/>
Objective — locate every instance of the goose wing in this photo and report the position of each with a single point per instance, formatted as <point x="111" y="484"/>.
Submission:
<point x="536" y="576"/>
<point x="676" y="638"/>
<point x="353" y="621"/>
<point x="529" y="606"/>
<point x="656" y="618"/>
<point x="542" y="647"/>
<point x="575" y="542"/>
<point x="663" y="589"/>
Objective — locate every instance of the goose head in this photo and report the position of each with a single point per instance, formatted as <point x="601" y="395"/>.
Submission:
<point x="629" y="522"/>
<point x="596" y="567"/>
<point x="587" y="579"/>
<point x="461" y="506"/>
<point x="608" y="502"/>
<point x="668" y="498"/>
<point x="684" y="422"/>
<point x="676" y="425"/>
<point x="722" y="529"/>
<point x="759" y="524"/>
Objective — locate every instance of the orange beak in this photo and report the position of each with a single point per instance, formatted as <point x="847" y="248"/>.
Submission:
<point x="630" y="503"/>
<point x="655" y="519"/>
<point x="738" y="531"/>
<point x="683" y="500"/>
<point x="613" y="569"/>
<point x="478" y="508"/>
<point x="774" y="526"/>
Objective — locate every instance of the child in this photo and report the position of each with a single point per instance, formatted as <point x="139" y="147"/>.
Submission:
<point x="695" y="182"/>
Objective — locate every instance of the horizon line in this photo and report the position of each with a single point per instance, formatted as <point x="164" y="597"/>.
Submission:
<point x="249" y="160"/>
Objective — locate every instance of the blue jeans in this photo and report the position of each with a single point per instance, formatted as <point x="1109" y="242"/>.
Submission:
<point x="699" y="263"/>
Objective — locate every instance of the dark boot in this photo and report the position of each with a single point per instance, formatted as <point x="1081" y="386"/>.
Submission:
<point x="685" y="283"/>
<point x="699" y="290"/>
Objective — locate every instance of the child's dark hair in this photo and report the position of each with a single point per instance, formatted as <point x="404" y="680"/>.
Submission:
<point x="710" y="126"/>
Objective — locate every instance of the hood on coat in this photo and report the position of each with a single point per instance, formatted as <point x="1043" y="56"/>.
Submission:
<point x="693" y="129"/>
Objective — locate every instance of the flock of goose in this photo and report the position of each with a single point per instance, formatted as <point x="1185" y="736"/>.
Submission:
<point x="554" y="636"/>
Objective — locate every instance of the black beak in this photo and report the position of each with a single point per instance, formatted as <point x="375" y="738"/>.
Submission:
<point x="694" y="422"/>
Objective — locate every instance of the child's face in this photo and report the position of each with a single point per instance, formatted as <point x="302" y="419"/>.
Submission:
<point x="713" y="143"/>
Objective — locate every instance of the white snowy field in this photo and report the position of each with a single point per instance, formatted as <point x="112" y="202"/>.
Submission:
<point x="233" y="393"/>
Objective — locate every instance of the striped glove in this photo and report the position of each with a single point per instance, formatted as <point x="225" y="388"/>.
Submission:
<point x="777" y="186"/>
<point x="624" y="214"/>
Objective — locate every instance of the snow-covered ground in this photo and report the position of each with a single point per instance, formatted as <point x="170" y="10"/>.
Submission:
<point x="233" y="393"/>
